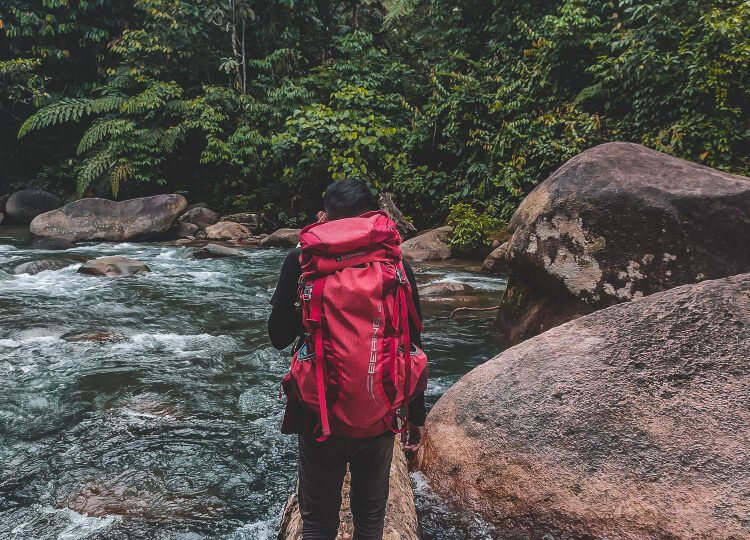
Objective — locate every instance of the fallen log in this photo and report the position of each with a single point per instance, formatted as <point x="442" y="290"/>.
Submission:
<point x="400" y="516"/>
<point x="388" y="205"/>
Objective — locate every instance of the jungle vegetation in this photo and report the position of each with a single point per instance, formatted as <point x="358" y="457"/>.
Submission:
<point x="457" y="107"/>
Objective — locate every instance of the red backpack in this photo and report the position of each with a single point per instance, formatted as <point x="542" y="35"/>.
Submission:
<point x="357" y="366"/>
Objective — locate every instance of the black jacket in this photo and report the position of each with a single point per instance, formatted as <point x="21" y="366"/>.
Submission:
<point x="285" y="327"/>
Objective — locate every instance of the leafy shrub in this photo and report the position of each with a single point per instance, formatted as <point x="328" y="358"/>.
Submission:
<point x="471" y="230"/>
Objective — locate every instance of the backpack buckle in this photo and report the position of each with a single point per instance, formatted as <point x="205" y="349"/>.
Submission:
<point x="307" y="293"/>
<point x="401" y="277"/>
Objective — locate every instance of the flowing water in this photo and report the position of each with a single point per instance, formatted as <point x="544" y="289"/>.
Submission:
<point x="165" y="425"/>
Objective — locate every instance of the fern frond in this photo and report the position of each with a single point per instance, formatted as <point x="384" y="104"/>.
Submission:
<point x="172" y="136"/>
<point x="120" y="173"/>
<point x="93" y="168"/>
<point x="101" y="129"/>
<point x="108" y="103"/>
<point x="396" y="9"/>
<point x="64" y="110"/>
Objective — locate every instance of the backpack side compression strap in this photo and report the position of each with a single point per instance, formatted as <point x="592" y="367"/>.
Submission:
<point x="315" y="320"/>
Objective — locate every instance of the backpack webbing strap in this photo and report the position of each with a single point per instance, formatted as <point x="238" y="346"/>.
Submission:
<point x="316" y="315"/>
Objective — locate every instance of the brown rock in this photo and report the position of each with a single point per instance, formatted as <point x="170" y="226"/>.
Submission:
<point x="400" y="515"/>
<point x="200" y="217"/>
<point x="184" y="230"/>
<point x="99" y="337"/>
<point x="113" y="266"/>
<point x="227" y="230"/>
<point x="102" y="219"/>
<point x="629" y="423"/>
<point x="496" y="262"/>
<point x="445" y="288"/>
<point x="215" y="251"/>
<point x="248" y="219"/>
<point x="428" y="246"/>
<point x="281" y="238"/>
<point x="615" y="223"/>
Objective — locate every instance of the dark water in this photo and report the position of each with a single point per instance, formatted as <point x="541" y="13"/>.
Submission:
<point x="171" y="430"/>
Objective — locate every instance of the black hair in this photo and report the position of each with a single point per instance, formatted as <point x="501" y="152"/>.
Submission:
<point x="348" y="198"/>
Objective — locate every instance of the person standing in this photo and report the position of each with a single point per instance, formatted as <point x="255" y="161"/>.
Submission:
<point x="351" y="306"/>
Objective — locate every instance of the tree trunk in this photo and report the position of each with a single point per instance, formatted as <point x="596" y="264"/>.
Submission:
<point x="388" y="205"/>
<point x="400" y="516"/>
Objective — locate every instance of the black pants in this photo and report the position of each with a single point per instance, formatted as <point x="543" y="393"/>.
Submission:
<point x="322" y="468"/>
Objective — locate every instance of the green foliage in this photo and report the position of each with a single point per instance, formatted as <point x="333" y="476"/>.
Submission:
<point x="464" y="106"/>
<point x="471" y="230"/>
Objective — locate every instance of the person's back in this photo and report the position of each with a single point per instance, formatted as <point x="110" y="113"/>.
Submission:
<point x="352" y="305"/>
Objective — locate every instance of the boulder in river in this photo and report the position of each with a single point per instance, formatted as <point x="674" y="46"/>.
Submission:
<point x="102" y="219"/>
<point x="23" y="206"/>
<point x="199" y="216"/>
<point x="113" y="266"/>
<point x="94" y="337"/>
<point x="445" y="288"/>
<point x="215" y="251"/>
<point x="628" y="423"/>
<point x="615" y="223"/>
<point x="34" y="267"/>
<point x="429" y="246"/>
<point x="184" y="230"/>
<point x="281" y="238"/>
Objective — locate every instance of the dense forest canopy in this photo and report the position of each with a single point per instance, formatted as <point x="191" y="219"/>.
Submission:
<point x="462" y="106"/>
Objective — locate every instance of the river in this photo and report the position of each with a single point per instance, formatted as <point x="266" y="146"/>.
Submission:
<point x="167" y="425"/>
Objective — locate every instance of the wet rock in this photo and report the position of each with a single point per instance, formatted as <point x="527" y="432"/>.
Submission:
<point x="184" y="230"/>
<point x="281" y="238"/>
<point x="2" y="217"/>
<point x="113" y="266"/>
<point x="496" y="262"/>
<point x="51" y="244"/>
<point x="250" y="220"/>
<point x="23" y="206"/>
<point x="629" y="423"/>
<point x="428" y="246"/>
<point x="616" y="223"/>
<point x="99" y="337"/>
<point x="200" y="217"/>
<point x="445" y="288"/>
<point x="102" y="219"/>
<point x="34" y="267"/>
<point x="227" y="230"/>
<point x="215" y="251"/>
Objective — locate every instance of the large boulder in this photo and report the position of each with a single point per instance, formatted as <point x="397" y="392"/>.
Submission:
<point x="102" y="219"/>
<point x="429" y="246"/>
<point x="113" y="266"/>
<point x="281" y="238"/>
<point x="629" y="423"/>
<point x="23" y="206"/>
<point x="228" y="230"/>
<point x="615" y="223"/>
